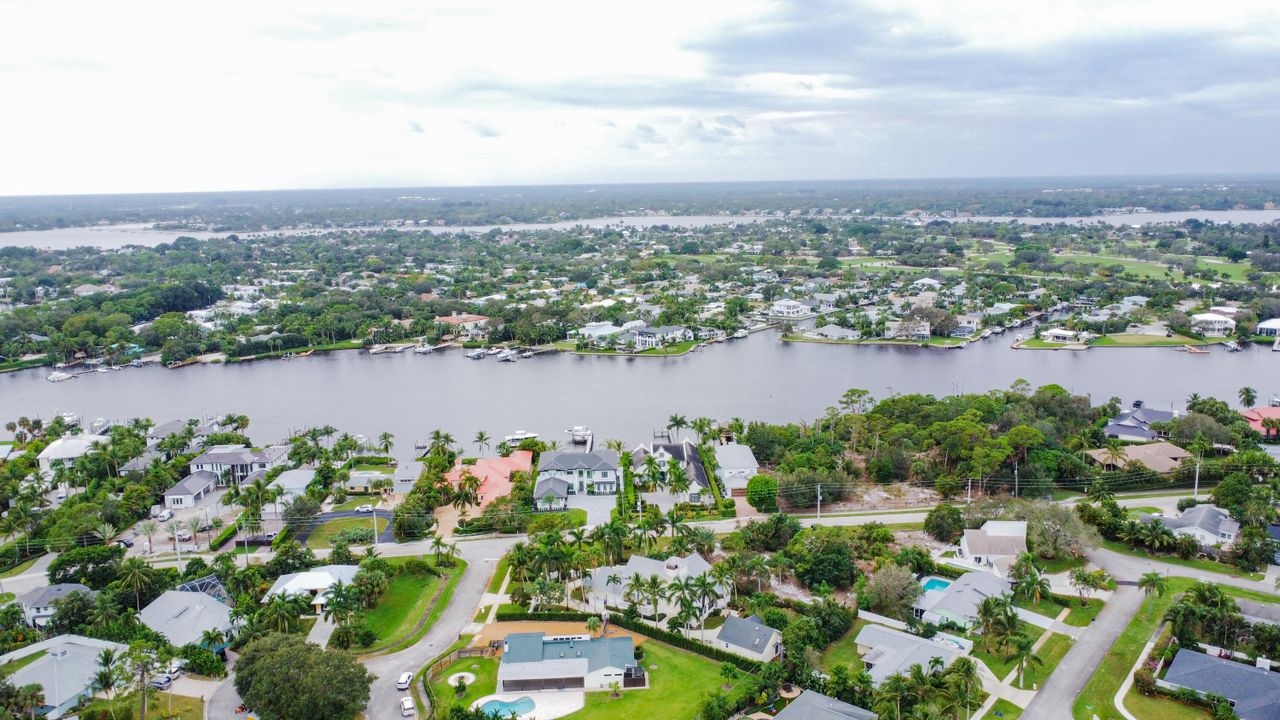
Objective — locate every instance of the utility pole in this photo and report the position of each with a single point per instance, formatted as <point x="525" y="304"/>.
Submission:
<point x="1015" y="478"/>
<point x="819" y="501"/>
<point x="373" y="516"/>
<point x="1195" y="494"/>
<point x="969" y="496"/>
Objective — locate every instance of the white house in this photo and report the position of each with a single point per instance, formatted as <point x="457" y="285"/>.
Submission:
<point x="593" y="473"/>
<point x="749" y="638"/>
<point x="534" y="661"/>
<point x="188" y="491"/>
<point x="312" y="584"/>
<point x="234" y="463"/>
<point x="958" y="602"/>
<point x="66" y="449"/>
<point x="594" y="331"/>
<point x="609" y="584"/>
<point x="1213" y="324"/>
<point x="1270" y="328"/>
<point x="1209" y="524"/>
<point x="683" y="453"/>
<point x="647" y="338"/>
<point x="466" y="325"/>
<point x="835" y="332"/>
<point x="907" y="330"/>
<point x="183" y="616"/>
<point x="38" y="605"/>
<point x="1059" y="335"/>
<point x="789" y="309"/>
<point x="293" y="483"/>
<point x="64" y="668"/>
<point x="551" y="493"/>
<point x="887" y="652"/>
<point x="735" y="465"/>
<point x="995" y="546"/>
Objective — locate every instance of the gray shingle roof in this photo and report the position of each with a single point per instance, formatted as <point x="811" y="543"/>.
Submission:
<point x="549" y="486"/>
<point x="894" y="652"/>
<point x="747" y="633"/>
<point x="570" y="460"/>
<point x="46" y="596"/>
<point x="816" y="706"/>
<point x="196" y="482"/>
<point x="182" y="616"/>
<point x="1209" y="518"/>
<point x="1256" y="692"/>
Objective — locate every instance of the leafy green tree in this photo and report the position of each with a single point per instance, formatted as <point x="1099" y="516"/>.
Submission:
<point x="283" y="676"/>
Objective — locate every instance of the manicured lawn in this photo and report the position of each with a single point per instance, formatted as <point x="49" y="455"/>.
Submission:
<point x="403" y="634"/>
<point x="20" y="568"/>
<point x="1080" y="615"/>
<point x="321" y="538"/>
<point x="158" y="705"/>
<point x="404" y="602"/>
<point x="845" y="651"/>
<point x="486" y="672"/>
<point x="356" y="501"/>
<point x="1051" y="653"/>
<point x="1125" y="340"/>
<point x="14" y="666"/>
<point x="1159" y="707"/>
<point x="677" y="682"/>
<point x="482" y="614"/>
<point x="499" y="573"/>
<point x="6" y="597"/>
<point x="1003" y="710"/>
<point x="994" y="661"/>
<point x="1057" y="565"/>
<point x="677" y="349"/>
<point x="1143" y="510"/>
<point x="1038" y="344"/>
<point x="1194" y="563"/>
<point x="383" y="469"/>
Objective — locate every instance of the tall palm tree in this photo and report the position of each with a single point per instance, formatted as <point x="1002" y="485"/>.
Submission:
<point x="1248" y="397"/>
<point x="964" y="684"/>
<point x="677" y="478"/>
<point x="280" y="614"/>
<point x="135" y="575"/>
<point x="677" y="423"/>
<point x="481" y="441"/>
<point x="148" y="529"/>
<point x="636" y="588"/>
<point x="212" y="638"/>
<point x="1022" y="653"/>
<point x="1153" y="583"/>
<point x="386" y="441"/>
<point x="655" y="588"/>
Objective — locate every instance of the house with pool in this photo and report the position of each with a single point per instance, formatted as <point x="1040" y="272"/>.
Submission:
<point x="993" y="547"/>
<point x="534" y="661"/>
<point x="957" y="601"/>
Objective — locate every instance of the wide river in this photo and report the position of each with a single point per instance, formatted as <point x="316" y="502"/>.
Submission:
<point x="117" y="236"/>
<point x="755" y="378"/>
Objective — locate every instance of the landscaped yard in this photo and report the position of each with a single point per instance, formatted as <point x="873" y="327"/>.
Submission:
<point x="1003" y="710"/>
<point x="159" y="704"/>
<point x="1196" y="563"/>
<point x="499" y="573"/>
<point x="845" y="651"/>
<point x="677" y="682"/>
<point x="408" y="598"/>
<point x="20" y="568"/>
<point x="1050" y="654"/>
<point x="1057" y="565"/>
<point x="321" y="537"/>
<point x="1128" y="340"/>
<point x="1080" y="615"/>
<point x="356" y="501"/>
<point x="486" y="672"/>
<point x="1158" y="707"/>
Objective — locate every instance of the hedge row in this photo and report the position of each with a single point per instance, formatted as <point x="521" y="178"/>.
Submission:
<point x="515" y="616"/>
<point x="282" y="537"/>
<point x="684" y="643"/>
<point x="228" y="532"/>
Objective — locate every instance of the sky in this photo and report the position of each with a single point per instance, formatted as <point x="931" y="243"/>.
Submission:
<point x="108" y="97"/>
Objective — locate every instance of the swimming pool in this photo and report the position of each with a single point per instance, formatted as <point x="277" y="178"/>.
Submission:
<point x="934" y="583"/>
<point x="503" y="708"/>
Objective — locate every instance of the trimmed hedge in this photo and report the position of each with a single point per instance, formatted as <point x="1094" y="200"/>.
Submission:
<point x="684" y="643"/>
<point x="512" y="616"/>
<point x="282" y="537"/>
<point x="225" y="536"/>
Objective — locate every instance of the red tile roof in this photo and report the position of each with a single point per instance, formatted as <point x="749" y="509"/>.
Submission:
<point x="1255" y="416"/>
<point x="494" y="474"/>
<point x="460" y="319"/>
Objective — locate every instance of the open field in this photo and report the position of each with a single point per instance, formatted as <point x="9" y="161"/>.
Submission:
<point x="320" y="538"/>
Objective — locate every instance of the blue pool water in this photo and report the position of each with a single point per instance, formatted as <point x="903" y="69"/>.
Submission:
<point x="936" y="584"/>
<point x="504" y="708"/>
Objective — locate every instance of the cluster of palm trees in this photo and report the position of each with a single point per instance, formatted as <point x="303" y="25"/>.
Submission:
<point x="932" y="693"/>
<point x="1002" y="633"/>
<point x="1206" y="613"/>
<point x="1157" y="537"/>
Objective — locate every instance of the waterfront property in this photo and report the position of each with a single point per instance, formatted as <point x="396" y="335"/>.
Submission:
<point x="735" y="465"/>
<point x="959" y="601"/>
<point x="293" y="483"/>
<point x="465" y="326"/>
<point x="1255" y="417"/>
<point x="1160" y="457"/>
<point x="593" y="473"/>
<point x="1212" y="324"/>
<point x="615" y="594"/>
<point x="183" y="616"/>
<point x="312" y="584"/>
<point x="66" y="449"/>
<point x="750" y="638"/>
<point x="683" y="453"/>
<point x="994" y="546"/>
<point x="1209" y="524"/>
<point x="494" y="474"/>
<point x="1254" y="692"/>
<point x="811" y="705"/>
<point x="38" y="605"/>
<point x="65" y="668"/>
<point x="533" y="662"/>
<point x="1134" y="424"/>
<point x="235" y="463"/>
<point x="550" y="494"/>
<point x="887" y="652"/>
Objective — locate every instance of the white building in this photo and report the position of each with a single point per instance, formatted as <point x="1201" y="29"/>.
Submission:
<point x="183" y="616"/>
<point x="593" y="473"/>
<point x="38" y="605"/>
<point x="789" y="309"/>
<point x="995" y="546"/>
<point x="190" y="489"/>
<point x="312" y="584"/>
<point x="735" y="465"/>
<point x="749" y="638"/>
<point x="614" y="594"/>
<point x="64" y="668"/>
<point x="534" y="662"/>
<point x="66" y="449"/>
<point x="1213" y="324"/>
<point x="1270" y="328"/>
<point x="234" y="463"/>
<point x="1059" y="335"/>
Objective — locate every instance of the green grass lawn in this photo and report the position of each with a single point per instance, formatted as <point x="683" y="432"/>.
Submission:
<point x="1078" y="615"/>
<point x="1050" y="654"/>
<point x="321" y="537"/>
<point x="1056" y="565"/>
<point x="159" y="704"/>
<point x="679" y="348"/>
<point x="486" y="672"/>
<point x="404" y="602"/>
<point x="403" y="634"/>
<point x="1194" y="563"/>
<point x="15" y="665"/>
<point x="6" y="597"/>
<point x="382" y="469"/>
<point x="677" y="682"/>
<point x="845" y="651"/>
<point x="1159" y="707"/>
<point x="20" y="568"/>
<point x="1038" y="344"/>
<point x="1143" y="510"/>
<point x="995" y="661"/>
<point x="356" y="501"/>
<point x="1126" y="340"/>
<point x="499" y="573"/>
<point x="1003" y="710"/>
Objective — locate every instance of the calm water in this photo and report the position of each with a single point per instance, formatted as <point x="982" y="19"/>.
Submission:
<point x="117" y="236"/>
<point x="756" y="378"/>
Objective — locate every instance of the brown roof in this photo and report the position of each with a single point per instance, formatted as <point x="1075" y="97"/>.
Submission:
<point x="1161" y="457"/>
<point x="460" y="319"/>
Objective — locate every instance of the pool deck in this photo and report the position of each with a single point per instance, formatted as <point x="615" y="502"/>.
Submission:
<point x="547" y="705"/>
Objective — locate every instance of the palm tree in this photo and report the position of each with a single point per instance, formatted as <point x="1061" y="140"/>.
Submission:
<point x="677" y="478"/>
<point x="1248" y="397"/>
<point x="105" y="679"/>
<point x="1099" y="491"/>
<point x="655" y="588"/>
<point x="1153" y="583"/>
<point x="1022" y="653"/>
<point x="893" y="692"/>
<point x="594" y="625"/>
<point x="614" y="444"/>
<point x="212" y="638"/>
<point x="148" y="529"/>
<point x="964" y="684"/>
<point x="613" y="580"/>
<point x="31" y="698"/>
<point x="135" y="575"/>
<point x="481" y="441"/>
<point x="280" y="614"/>
<point x="386" y="441"/>
<point x="635" y="588"/>
<point x="105" y="531"/>
<point x="677" y="423"/>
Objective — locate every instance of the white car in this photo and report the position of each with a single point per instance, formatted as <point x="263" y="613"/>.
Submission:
<point x="404" y="681"/>
<point x="406" y="707"/>
<point x="364" y="508"/>
<point x="184" y="535"/>
<point x="165" y="516"/>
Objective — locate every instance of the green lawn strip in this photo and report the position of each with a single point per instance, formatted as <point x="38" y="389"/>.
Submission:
<point x="1003" y="710"/>
<point x="845" y="651"/>
<point x="677" y="682"/>
<point x="1050" y="654"/>
<point x="1057" y="565"/>
<point x="356" y="501"/>
<point x="382" y="469"/>
<point x="905" y="527"/>
<point x="320" y="537"/>
<point x="159" y="704"/>
<point x="400" y="607"/>
<point x="1078" y="615"/>
<point x="1059" y="494"/>
<point x="482" y="613"/>
<point x="1098" y="695"/>
<point x="15" y="665"/>
<point x="499" y="573"/>
<point x="995" y="661"/>
<point x="20" y="568"/>
<point x="679" y="348"/>
<point x="1143" y="510"/>
<point x="1194" y="563"/>
<point x="1161" y="707"/>
<point x="419" y="678"/>
<point x="909" y="511"/>
<point x="6" y="597"/>
<point x="441" y="602"/>
<point x="486" y="682"/>
<point x="510" y="608"/>
<point x="1130" y="340"/>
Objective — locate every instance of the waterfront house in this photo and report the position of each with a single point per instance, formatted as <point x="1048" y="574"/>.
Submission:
<point x="886" y="652"/>
<point x="592" y="473"/>
<point x="994" y="547"/>
<point x="791" y="309"/>
<point x="65" y="667"/>
<point x="811" y="705"/>
<point x="966" y="326"/>
<point x="1213" y="324"/>
<point x="494" y="474"/>
<point x="1001" y="308"/>
<point x="38" y="605"/>
<point x="749" y="638"/>
<point x="1255" y="416"/>
<point x="1060" y="335"/>
<point x="958" y="602"/>
<point x="735" y="465"/>
<point x="535" y="661"/>
<point x="1253" y="692"/>
<point x="607" y="594"/>
<point x="235" y="463"/>
<point x="907" y="330"/>
<point x="183" y="616"/>
<point x="551" y="493"/>
<point x="685" y="453"/>
<point x="835" y="332"/>
<point x="1268" y="328"/>
<point x="648" y="338"/>
<point x="312" y="584"/>
<point x="1134" y="424"/>
<point x="66" y="449"/>
<point x="596" y="332"/>
<point x="465" y="325"/>
<point x="1161" y="457"/>
<point x="293" y="483"/>
<point x="1210" y="525"/>
<point x="188" y="491"/>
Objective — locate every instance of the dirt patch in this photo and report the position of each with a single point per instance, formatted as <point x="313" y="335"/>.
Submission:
<point x="884" y="497"/>
<point x="918" y="537"/>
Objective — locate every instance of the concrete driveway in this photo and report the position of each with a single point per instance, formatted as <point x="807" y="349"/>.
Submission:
<point x="598" y="507"/>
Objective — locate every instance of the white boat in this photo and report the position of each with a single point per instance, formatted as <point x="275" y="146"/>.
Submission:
<point x="1275" y="346"/>
<point x="101" y="369"/>
<point x="424" y="349"/>
<point x="495" y="350"/>
<point x="378" y="349"/>
<point x="477" y="354"/>
<point x="740" y="334"/>
<point x="1232" y="346"/>
<point x="507" y="356"/>
<point x="58" y="376"/>
<point x="526" y="354"/>
<point x="579" y="434"/>
<point x="520" y="436"/>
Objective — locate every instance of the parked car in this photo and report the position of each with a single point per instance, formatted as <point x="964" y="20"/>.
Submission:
<point x="405" y="680"/>
<point x="161" y="682"/>
<point x="406" y="707"/>
<point x="165" y="516"/>
<point x="184" y="535"/>
<point x="125" y="542"/>
<point x="364" y="508"/>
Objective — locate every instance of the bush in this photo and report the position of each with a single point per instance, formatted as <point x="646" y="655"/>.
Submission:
<point x="762" y="493"/>
<point x="353" y="536"/>
<point x="682" y="642"/>
<point x="567" y="616"/>
<point x="1187" y="502"/>
<point x="225" y="536"/>
<point x="282" y="537"/>
<point x="418" y="566"/>
<point x="944" y="523"/>
<point x="202" y="662"/>
<point x="1145" y="681"/>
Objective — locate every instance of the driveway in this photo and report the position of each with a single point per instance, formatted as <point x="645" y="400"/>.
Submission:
<point x="384" y="537"/>
<point x="598" y="507"/>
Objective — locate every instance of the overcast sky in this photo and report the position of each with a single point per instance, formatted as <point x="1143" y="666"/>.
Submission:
<point x="169" y="96"/>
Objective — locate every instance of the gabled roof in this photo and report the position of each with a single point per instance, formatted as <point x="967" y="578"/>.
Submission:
<point x="1209" y="518"/>
<point x="733" y="456"/>
<point x="748" y="633"/>
<point x="46" y="596"/>
<point x="182" y="616"/>
<point x="573" y="460"/>
<point x="1256" y="692"/>
<point x="893" y="652"/>
<point x="69" y="447"/>
<point x="816" y="706"/>
<point x="197" y="481"/>
<point x="72" y="659"/>
<point x="959" y="601"/>
<point x="315" y="580"/>
<point x="552" y="487"/>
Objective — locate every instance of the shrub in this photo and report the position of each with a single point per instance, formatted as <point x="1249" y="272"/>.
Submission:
<point x="944" y="522"/>
<point x="353" y="536"/>
<point x="762" y="493"/>
<point x="225" y="536"/>
<point x="202" y="662"/>
<point x="1145" y="681"/>
<point x="418" y="566"/>
<point x="683" y="642"/>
